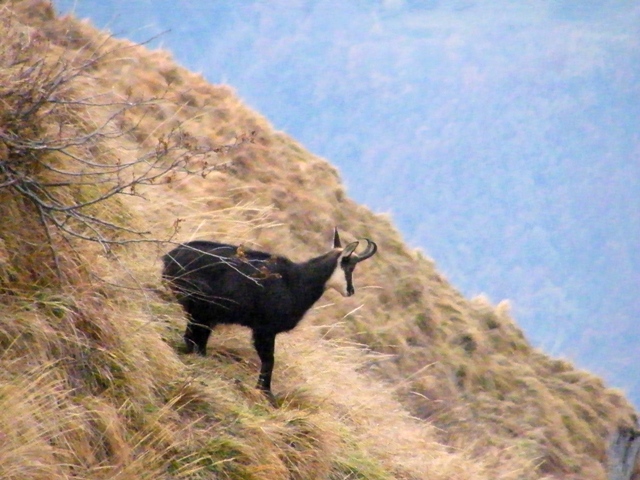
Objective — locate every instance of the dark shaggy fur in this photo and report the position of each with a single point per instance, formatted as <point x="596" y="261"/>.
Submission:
<point x="218" y="283"/>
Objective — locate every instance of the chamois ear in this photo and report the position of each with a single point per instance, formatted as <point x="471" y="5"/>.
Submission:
<point x="349" y="249"/>
<point x="336" y="239"/>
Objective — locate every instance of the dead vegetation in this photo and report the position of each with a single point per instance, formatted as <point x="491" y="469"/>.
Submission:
<point x="107" y="152"/>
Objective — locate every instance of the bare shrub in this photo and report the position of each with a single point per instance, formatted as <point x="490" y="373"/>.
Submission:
<point x="60" y="160"/>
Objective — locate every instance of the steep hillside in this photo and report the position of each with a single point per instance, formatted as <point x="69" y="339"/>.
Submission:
<point x="515" y="145"/>
<point x="109" y="154"/>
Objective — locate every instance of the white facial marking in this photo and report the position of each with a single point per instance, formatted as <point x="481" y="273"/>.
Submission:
<point x="338" y="280"/>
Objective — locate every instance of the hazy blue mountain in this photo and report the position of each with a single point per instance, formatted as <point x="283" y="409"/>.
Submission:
<point x="503" y="136"/>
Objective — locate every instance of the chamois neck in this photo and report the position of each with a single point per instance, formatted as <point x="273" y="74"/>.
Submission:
<point x="312" y="275"/>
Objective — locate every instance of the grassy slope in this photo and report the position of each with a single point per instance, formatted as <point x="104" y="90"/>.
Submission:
<point x="407" y="379"/>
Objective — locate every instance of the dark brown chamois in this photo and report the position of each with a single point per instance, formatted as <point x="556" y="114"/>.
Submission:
<point x="218" y="283"/>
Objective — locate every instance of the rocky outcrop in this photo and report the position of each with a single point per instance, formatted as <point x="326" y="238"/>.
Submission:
<point x="623" y="454"/>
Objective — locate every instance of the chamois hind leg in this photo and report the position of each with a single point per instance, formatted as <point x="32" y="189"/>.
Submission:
<point x="198" y="329"/>
<point x="265" y="345"/>
<point x="196" y="337"/>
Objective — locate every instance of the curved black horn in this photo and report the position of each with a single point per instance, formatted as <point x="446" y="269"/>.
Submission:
<point x="369" y="252"/>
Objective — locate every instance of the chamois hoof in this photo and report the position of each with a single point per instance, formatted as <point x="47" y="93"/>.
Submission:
<point x="272" y="398"/>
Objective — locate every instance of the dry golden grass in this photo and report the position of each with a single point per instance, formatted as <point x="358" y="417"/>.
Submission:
<point x="406" y="380"/>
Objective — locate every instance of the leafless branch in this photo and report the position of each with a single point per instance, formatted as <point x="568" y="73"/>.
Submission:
<point x="51" y="147"/>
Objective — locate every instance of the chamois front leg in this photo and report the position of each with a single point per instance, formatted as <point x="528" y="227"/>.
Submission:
<point x="264" y="343"/>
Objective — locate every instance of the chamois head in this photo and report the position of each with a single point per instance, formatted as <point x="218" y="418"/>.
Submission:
<point x="342" y="278"/>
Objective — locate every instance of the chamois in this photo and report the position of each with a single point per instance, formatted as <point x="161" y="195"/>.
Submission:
<point x="219" y="283"/>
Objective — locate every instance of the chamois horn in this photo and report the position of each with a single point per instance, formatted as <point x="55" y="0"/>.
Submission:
<point x="369" y="252"/>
